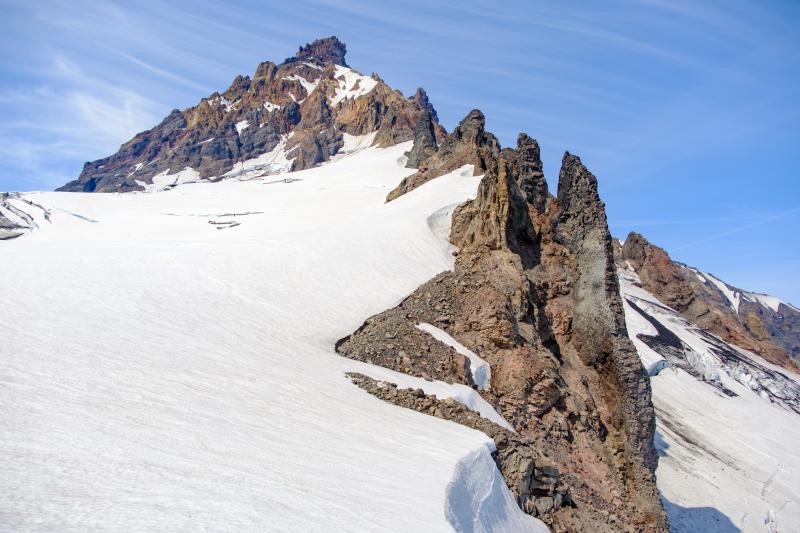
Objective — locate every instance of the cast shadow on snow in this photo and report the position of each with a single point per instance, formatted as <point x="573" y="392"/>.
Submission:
<point x="705" y="519"/>
<point x="661" y="444"/>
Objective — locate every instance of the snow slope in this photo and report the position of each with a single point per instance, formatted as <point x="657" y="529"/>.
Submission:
<point x="727" y="426"/>
<point x="167" y="361"/>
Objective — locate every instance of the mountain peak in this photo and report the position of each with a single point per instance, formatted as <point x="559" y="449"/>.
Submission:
<point x="329" y="50"/>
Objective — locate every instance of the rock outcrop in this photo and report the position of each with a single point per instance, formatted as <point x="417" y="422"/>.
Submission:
<point x="468" y="144"/>
<point x="424" y="140"/>
<point x="325" y="51"/>
<point x="534" y="294"/>
<point x="741" y="320"/>
<point x="298" y="111"/>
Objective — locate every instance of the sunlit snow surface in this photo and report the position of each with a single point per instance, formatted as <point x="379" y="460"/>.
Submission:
<point x="167" y="361"/>
<point x="725" y="462"/>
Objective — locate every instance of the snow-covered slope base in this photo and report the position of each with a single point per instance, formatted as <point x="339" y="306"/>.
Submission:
<point x="728" y="424"/>
<point x="167" y="361"/>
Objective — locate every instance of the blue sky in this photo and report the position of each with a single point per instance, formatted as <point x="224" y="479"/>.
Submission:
<point x="687" y="111"/>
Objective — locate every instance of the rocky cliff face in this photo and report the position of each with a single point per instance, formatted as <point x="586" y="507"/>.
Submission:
<point x="298" y="113"/>
<point x="534" y="294"/>
<point x="754" y="322"/>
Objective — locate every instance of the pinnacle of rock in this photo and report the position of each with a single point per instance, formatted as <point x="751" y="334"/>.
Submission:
<point x="471" y="128"/>
<point x="421" y="100"/>
<point x="424" y="140"/>
<point x="527" y="168"/>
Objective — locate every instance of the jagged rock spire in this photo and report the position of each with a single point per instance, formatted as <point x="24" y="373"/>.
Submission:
<point x="526" y="162"/>
<point x="301" y="96"/>
<point x="579" y="200"/>
<point x="424" y="140"/>
<point x="421" y="100"/>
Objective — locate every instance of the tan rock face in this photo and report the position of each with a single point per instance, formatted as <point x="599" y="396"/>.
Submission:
<point x="253" y="115"/>
<point x="534" y="293"/>
<point x="702" y="303"/>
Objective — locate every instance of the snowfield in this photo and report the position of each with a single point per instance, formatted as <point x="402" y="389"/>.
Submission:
<point x="167" y="362"/>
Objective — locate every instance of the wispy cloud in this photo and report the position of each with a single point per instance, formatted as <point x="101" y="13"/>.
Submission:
<point x="738" y="229"/>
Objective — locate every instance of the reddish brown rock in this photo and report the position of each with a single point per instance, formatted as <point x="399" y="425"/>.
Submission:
<point x="534" y="293"/>
<point x="704" y="304"/>
<point x="276" y="102"/>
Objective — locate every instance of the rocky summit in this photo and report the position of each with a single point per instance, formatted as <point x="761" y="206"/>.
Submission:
<point x="287" y="117"/>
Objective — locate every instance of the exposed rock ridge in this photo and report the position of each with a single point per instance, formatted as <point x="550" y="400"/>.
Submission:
<point x="775" y="335"/>
<point x="534" y="294"/>
<point x="298" y="111"/>
<point x="468" y="144"/>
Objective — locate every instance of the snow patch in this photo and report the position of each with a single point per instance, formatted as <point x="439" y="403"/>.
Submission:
<point x="221" y="100"/>
<point x="242" y="125"/>
<point x="766" y="300"/>
<point x="273" y="162"/>
<point x="135" y="169"/>
<point x="309" y="86"/>
<point x="480" y="369"/>
<point x="478" y="499"/>
<point x="355" y="143"/>
<point x="699" y="274"/>
<point x="164" y="180"/>
<point x="352" y="84"/>
<point x="464" y="395"/>
<point x="270" y="107"/>
<point x="731" y="295"/>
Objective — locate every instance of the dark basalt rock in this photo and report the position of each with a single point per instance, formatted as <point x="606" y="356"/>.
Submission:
<point x="527" y="167"/>
<point x="424" y="140"/>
